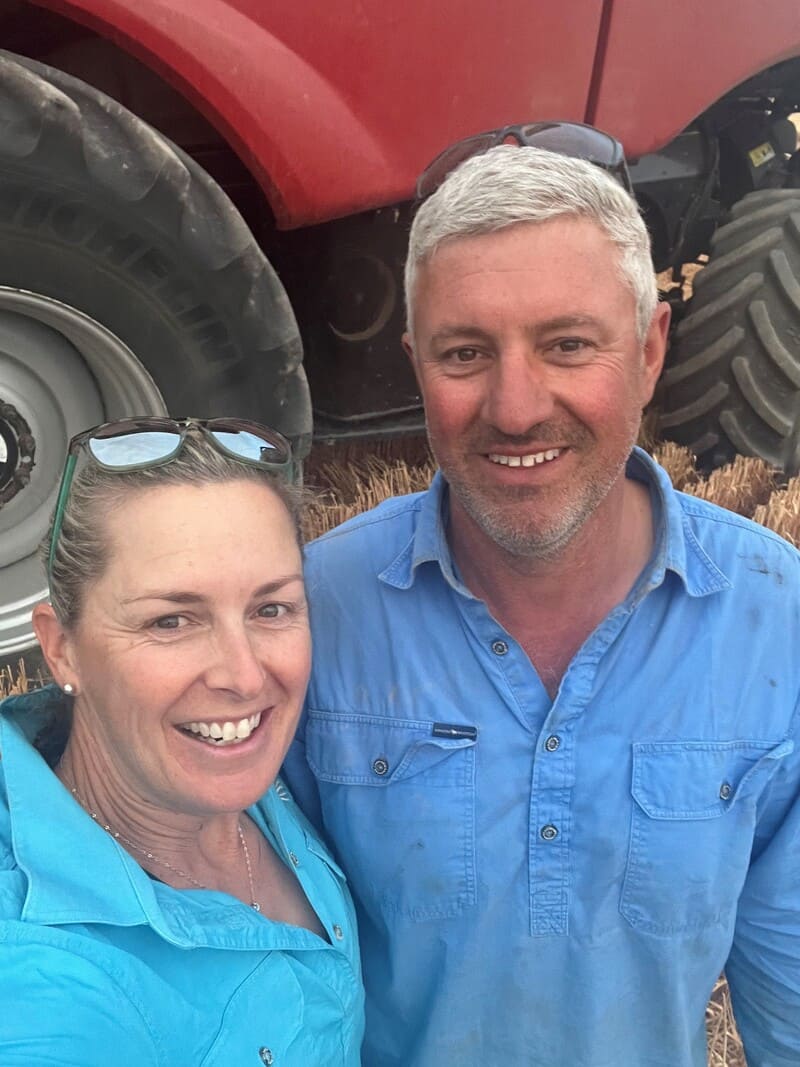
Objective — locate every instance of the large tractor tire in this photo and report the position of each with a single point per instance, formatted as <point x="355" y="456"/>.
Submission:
<point x="129" y="284"/>
<point x="732" y="382"/>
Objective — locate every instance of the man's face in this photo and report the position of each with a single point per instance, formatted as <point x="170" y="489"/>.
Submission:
<point x="533" y="379"/>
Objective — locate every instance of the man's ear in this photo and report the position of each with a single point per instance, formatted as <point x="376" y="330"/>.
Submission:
<point x="56" y="645"/>
<point x="408" y="346"/>
<point x="654" y="349"/>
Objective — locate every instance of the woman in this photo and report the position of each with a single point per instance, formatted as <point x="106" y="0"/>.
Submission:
<point x="154" y="910"/>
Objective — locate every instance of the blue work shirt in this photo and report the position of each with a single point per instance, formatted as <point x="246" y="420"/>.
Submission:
<point x="101" y="965"/>
<point x="559" y="883"/>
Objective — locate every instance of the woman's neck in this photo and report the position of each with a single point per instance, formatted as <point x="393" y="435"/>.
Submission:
<point x="180" y="848"/>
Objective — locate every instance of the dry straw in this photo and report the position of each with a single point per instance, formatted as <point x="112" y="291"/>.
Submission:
<point x="781" y="512"/>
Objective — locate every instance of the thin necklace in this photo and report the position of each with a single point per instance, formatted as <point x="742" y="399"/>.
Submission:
<point x="163" y="863"/>
<point x="253" y="902"/>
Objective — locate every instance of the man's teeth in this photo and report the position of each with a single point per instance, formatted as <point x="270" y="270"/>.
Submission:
<point x="525" y="461"/>
<point x="229" y="732"/>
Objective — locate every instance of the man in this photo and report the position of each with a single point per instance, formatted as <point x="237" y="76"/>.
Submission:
<point x="552" y="731"/>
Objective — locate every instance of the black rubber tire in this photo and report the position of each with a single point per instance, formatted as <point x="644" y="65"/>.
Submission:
<point x="732" y="379"/>
<point x="101" y="212"/>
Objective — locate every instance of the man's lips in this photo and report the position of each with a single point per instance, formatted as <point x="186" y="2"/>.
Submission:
<point x="524" y="459"/>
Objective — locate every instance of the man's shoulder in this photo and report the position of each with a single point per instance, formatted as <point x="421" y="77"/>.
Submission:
<point x="736" y="543"/>
<point x="729" y="525"/>
<point x="390" y="523"/>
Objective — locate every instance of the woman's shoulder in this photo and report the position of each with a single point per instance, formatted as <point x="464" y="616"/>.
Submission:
<point x="68" y="1008"/>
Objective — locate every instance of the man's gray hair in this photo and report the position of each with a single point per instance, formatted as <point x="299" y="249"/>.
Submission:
<point x="509" y="185"/>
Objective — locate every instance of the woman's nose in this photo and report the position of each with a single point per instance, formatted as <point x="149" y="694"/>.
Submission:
<point x="235" y="664"/>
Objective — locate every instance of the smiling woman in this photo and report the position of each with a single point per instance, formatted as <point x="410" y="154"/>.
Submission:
<point x="178" y="636"/>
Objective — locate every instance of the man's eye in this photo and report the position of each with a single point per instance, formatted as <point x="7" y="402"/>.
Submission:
<point x="571" y="344"/>
<point x="465" y="355"/>
<point x="272" y="611"/>
<point x="168" y="622"/>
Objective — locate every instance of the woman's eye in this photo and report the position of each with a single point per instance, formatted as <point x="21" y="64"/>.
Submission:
<point x="272" y="611"/>
<point x="168" y="622"/>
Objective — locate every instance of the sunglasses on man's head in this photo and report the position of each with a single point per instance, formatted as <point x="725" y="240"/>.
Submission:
<point x="151" y="441"/>
<point x="566" y="138"/>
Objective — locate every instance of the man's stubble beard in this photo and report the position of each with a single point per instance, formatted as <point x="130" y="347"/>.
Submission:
<point x="548" y="539"/>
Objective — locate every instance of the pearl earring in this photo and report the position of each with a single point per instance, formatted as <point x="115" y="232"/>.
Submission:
<point x="68" y="689"/>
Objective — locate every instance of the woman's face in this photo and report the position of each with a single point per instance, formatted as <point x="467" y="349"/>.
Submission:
<point x="198" y="627"/>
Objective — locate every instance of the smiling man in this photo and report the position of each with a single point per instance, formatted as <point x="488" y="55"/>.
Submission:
<point x="552" y="729"/>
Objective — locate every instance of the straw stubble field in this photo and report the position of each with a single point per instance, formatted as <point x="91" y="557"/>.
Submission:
<point x="352" y="482"/>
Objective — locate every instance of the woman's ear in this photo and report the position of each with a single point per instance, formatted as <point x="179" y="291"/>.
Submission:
<point x="56" y="646"/>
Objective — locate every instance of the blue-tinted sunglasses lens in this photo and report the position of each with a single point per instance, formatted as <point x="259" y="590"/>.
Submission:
<point x="250" y="447"/>
<point x="135" y="448"/>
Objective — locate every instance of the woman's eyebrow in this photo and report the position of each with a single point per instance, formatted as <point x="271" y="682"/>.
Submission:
<point x="175" y="596"/>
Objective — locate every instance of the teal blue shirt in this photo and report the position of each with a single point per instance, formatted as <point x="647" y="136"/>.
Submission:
<point x="100" y="964"/>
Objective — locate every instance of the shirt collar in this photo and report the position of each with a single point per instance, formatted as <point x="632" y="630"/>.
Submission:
<point x="677" y="548"/>
<point x="66" y="891"/>
<point x="429" y="542"/>
<point x="61" y="855"/>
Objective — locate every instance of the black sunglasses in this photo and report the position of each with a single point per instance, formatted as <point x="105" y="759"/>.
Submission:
<point x="151" y="441"/>
<point x="567" y="138"/>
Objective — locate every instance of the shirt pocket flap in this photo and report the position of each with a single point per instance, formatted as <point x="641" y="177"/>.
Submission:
<point x="700" y="779"/>
<point x="372" y="750"/>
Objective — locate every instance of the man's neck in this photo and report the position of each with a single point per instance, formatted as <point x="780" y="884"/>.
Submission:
<point x="550" y="606"/>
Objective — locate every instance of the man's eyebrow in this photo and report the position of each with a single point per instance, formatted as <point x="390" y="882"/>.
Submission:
<point x="456" y="331"/>
<point x="177" y="596"/>
<point x="568" y="322"/>
<point x="466" y="333"/>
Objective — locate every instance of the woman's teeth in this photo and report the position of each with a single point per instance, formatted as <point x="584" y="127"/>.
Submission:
<point x="229" y="732"/>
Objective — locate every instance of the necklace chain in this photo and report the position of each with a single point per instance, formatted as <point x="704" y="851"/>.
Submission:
<point x="253" y="902"/>
<point x="162" y="862"/>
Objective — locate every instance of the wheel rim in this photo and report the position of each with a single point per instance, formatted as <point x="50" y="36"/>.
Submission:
<point x="60" y="371"/>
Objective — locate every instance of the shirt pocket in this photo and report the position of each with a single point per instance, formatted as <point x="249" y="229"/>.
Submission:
<point x="692" y="828"/>
<point x="399" y="803"/>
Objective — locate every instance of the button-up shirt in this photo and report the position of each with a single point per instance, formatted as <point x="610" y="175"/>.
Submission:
<point x="559" y="883"/>
<point x="101" y="965"/>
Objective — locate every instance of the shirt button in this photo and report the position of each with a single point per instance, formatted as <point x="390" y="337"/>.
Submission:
<point x="549" y="832"/>
<point x="338" y="933"/>
<point x="266" y="1056"/>
<point x="296" y="862"/>
<point x="499" y="648"/>
<point x="725" y="791"/>
<point x="381" y="766"/>
<point x="552" y="743"/>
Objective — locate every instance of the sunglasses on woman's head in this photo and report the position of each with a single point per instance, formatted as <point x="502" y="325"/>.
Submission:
<point x="566" y="138"/>
<point x="151" y="441"/>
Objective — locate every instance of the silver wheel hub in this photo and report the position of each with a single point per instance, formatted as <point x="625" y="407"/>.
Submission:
<point x="60" y="372"/>
<point x="17" y="450"/>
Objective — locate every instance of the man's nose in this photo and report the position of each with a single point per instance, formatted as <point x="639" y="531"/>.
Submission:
<point x="519" y="392"/>
<point x="234" y="663"/>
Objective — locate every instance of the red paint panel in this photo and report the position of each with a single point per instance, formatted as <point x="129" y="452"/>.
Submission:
<point x="338" y="106"/>
<point x="667" y="62"/>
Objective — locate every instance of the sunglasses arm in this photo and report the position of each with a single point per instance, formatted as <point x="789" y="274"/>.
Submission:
<point x="61" y="503"/>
